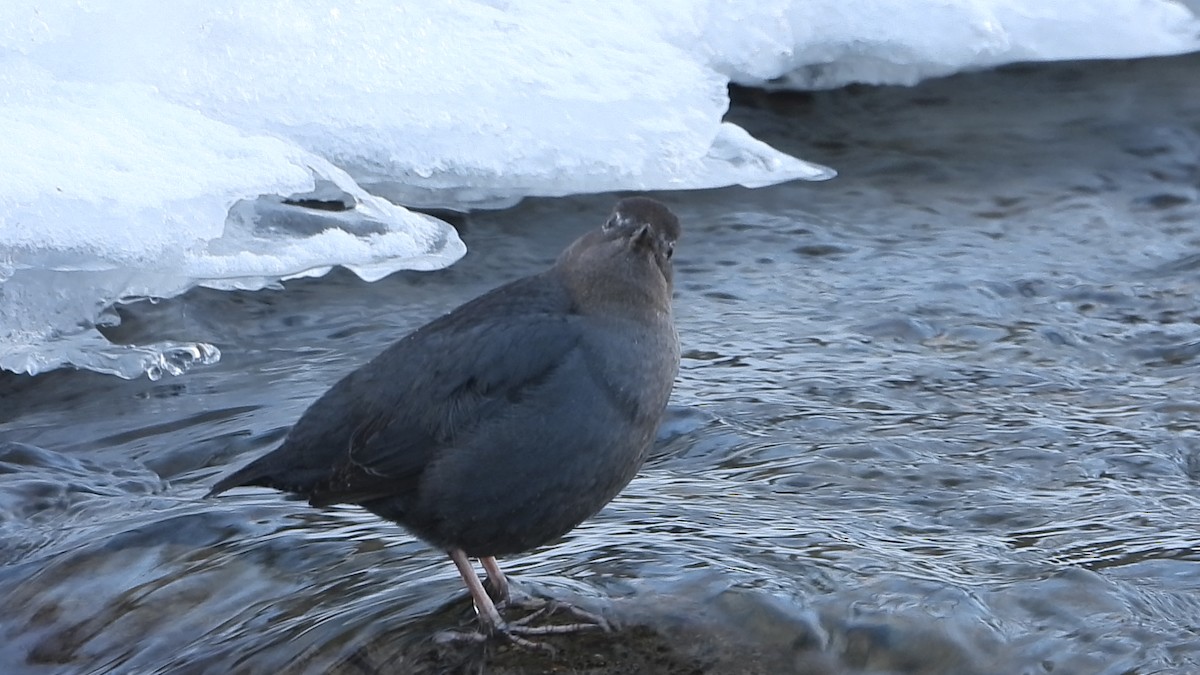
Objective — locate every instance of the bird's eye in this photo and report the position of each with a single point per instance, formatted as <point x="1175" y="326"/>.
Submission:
<point x="670" y="250"/>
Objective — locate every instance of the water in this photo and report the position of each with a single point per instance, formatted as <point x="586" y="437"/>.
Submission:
<point x="936" y="416"/>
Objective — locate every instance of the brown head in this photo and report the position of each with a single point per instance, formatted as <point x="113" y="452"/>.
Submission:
<point x="627" y="260"/>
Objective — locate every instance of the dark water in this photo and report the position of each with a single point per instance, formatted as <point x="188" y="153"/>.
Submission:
<point x="938" y="415"/>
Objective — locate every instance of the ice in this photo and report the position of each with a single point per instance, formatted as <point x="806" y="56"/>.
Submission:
<point x="111" y="193"/>
<point x="825" y="44"/>
<point x="152" y="148"/>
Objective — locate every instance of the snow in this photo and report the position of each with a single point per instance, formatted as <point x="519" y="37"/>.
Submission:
<point x="152" y="148"/>
<point x="816" y="45"/>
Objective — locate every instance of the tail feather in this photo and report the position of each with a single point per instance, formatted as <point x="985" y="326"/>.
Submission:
<point x="266" y="472"/>
<point x="245" y="476"/>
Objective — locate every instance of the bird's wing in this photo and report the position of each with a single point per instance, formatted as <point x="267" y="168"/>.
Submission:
<point x="469" y="372"/>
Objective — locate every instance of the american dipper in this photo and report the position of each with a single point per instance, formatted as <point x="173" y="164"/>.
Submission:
<point x="502" y="425"/>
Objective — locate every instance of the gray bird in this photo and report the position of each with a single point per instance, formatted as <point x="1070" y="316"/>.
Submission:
<point x="504" y="424"/>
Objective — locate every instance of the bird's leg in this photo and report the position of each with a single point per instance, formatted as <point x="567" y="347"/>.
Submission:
<point x="496" y="584"/>
<point x="498" y="589"/>
<point x="484" y="607"/>
<point x="492" y="622"/>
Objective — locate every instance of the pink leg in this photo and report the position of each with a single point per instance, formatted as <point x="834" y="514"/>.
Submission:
<point x="483" y="604"/>
<point x="488" y="616"/>
<point x="496" y="580"/>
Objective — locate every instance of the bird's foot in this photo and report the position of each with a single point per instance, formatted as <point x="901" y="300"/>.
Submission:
<point x="510" y="632"/>
<point x="522" y="632"/>
<point x="539" y="608"/>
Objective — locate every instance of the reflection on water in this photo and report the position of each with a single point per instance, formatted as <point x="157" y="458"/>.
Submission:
<point x="936" y="416"/>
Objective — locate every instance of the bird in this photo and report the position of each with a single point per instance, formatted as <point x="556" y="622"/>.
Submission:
<point x="502" y="425"/>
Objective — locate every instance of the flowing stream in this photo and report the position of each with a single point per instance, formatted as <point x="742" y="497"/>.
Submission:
<point x="939" y="415"/>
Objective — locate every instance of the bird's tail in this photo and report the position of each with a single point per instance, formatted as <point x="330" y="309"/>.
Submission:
<point x="251" y="474"/>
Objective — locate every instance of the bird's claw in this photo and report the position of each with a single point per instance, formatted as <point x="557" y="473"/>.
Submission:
<point x="540" y="608"/>
<point x="511" y="633"/>
<point x="520" y="630"/>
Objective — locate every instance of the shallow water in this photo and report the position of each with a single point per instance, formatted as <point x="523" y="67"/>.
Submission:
<point x="938" y="415"/>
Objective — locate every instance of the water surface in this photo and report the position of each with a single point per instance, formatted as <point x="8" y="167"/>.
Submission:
<point x="938" y="415"/>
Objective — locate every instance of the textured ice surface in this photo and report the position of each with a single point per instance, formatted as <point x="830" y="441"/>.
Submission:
<point x="830" y="43"/>
<point x="109" y="193"/>
<point x="148" y="148"/>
